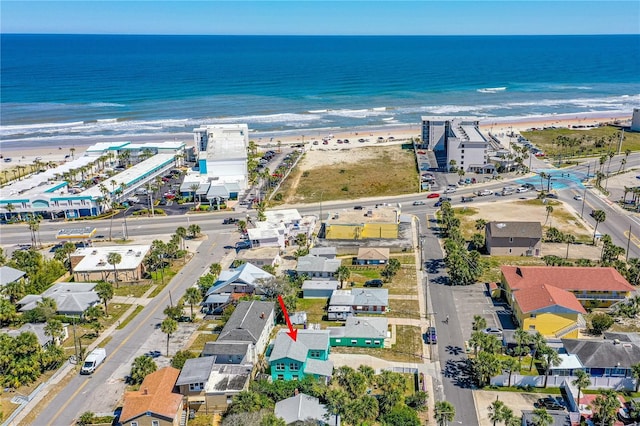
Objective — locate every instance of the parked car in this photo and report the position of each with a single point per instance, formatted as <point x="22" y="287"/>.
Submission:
<point x="550" y="403"/>
<point x="493" y="331"/>
<point x="433" y="195"/>
<point x="153" y="354"/>
<point x="373" y="283"/>
<point x="431" y="336"/>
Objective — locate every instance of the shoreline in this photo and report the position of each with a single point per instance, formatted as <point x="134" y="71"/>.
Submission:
<point x="25" y="151"/>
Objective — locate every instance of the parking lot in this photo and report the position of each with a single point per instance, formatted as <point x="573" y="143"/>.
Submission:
<point x="516" y="401"/>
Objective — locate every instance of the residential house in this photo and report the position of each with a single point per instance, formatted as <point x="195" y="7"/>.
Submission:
<point x="216" y="303"/>
<point x="326" y="252"/>
<point x="603" y="357"/>
<point x="156" y="403"/>
<point x="552" y="300"/>
<point x="303" y="408"/>
<point x="298" y="318"/>
<point x="38" y="329"/>
<point x="244" y="279"/>
<point x="229" y="352"/>
<point x="317" y="267"/>
<point x="318" y="289"/>
<point x="71" y="298"/>
<point x="267" y="234"/>
<point x="345" y="303"/>
<point x="513" y="238"/>
<point x="9" y="275"/>
<point x="263" y="256"/>
<point x="306" y="356"/>
<point x="372" y="256"/>
<point x="250" y="322"/>
<point x="210" y="387"/>
<point x="90" y="263"/>
<point x="559" y="418"/>
<point x="381" y="222"/>
<point x="364" y="332"/>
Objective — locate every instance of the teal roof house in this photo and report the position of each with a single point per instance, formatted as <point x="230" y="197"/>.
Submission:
<point x="307" y="356"/>
<point x="363" y="332"/>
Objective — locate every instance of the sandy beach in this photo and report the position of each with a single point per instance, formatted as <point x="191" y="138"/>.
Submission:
<point x="26" y="151"/>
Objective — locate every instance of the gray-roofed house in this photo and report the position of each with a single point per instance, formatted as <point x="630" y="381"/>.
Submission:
<point x="302" y="408"/>
<point x="215" y="303"/>
<point x="365" y="332"/>
<point x="372" y="256"/>
<point x="326" y="252"/>
<point x="227" y="352"/>
<point x="318" y="289"/>
<point x="71" y="298"/>
<point x="345" y="303"/>
<point x="243" y="279"/>
<point x="210" y="387"/>
<point x="559" y="418"/>
<point x="306" y="356"/>
<point x="38" y="329"/>
<point x="261" y="256"/>
<point x="317" y="267"/>
<point x="513" y="238"/>
<point x="604" y="357"/>
<point x="9" y="275"/>
<point x="250" y="322"/>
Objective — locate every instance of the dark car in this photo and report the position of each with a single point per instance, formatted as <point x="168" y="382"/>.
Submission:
<point x="550" y="403"/>
<point x="373" y="283"/>
<point x="467" y="199"/>
<point x="229" y="221"/>
<point x="241" y="245"/>
<point x="431" y="336"/>
<point x="358" y="207"/>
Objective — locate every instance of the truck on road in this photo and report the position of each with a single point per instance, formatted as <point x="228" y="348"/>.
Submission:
<point x="93" y="360"/>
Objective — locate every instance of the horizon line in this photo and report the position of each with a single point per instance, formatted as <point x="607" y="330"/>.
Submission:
<point x="325" y="35"/>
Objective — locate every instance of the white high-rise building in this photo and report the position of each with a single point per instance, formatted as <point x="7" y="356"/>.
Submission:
<point x="222" y="153"/>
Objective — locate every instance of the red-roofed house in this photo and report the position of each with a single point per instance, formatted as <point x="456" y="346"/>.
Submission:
<point x="552" y="299"/>
<point x="156" y="403"/>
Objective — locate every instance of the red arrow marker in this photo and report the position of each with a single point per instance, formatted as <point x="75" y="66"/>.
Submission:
<point x="293" y="333"/>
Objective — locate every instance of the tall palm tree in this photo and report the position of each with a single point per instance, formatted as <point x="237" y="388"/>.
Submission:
<point x="541" y="417"/>
<point x="599" y="216"/>
<point x="582" y="381"/>
<point x="444" y="412"/>
<point x="192" y="296"/>
<point x="343" y="273"/>
<point x="569" y="239"/>
<point x="114" y="259"/>
<point x="496" y="411"/>
<point x="168" y="327"/>
<point x="104" y="290"/>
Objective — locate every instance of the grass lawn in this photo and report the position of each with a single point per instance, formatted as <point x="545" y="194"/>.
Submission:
<point x="134" y="290"/>
<point x="161" y="282"/>
<point x="390" y="171"/>
<point x="315" y="309"/>
<point x="408" y="347"/>
<point x="199" y="342"/>
<point x="360" y="275"/>
<point x="492" y="272"/>
<point x="544" y="139"/>
<point x="127" y="320"/>
<point x="404" y="282"/>
<point x="115" y="313"/>
<point x="404" y="309"/>
<point x="405" y="259"/>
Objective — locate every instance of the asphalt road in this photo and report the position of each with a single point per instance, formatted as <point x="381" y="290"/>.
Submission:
<point x="81" y="392"/>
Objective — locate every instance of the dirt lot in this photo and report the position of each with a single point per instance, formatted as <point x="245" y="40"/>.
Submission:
<point x="516" y="401"/>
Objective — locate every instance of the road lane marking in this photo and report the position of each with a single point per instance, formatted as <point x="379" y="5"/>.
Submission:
<point x="635" y="240"/>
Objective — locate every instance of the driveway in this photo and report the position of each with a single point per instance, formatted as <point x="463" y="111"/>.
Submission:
<point x="514" y="400"/>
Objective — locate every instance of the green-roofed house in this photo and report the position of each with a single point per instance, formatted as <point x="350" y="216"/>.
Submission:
<point x="307" y="356"/>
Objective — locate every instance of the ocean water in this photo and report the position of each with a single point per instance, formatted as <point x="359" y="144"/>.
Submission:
<point x="66" y="87"/>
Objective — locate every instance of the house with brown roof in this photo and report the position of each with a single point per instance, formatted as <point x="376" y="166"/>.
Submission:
<point x="372" y="256"/>
<point x="552" y="300"/>
<point x="157" y="403"/>
<point x="513" y="238"/>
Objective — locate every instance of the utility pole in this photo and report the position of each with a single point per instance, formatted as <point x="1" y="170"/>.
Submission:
<point x="628" y="244"/>
<point x="584" y="197"/>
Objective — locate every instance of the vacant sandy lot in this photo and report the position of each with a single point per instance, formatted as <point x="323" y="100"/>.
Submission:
<point x="328" y="155"/>
<point x="516" y="401"/>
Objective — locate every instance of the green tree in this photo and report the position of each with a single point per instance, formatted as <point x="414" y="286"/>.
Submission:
<point x="215" y="269"/>
<point x="581" y="381"/>
<point x="392" y="386"/>
<point x="477" y="240"/>
<point x="605" y="407"/>
<point x="14" y="290"/>
<point x="192" y="296"/>
<point x="194" y="230"/>
<point x="64" y="254"/>
<point x="337" y="401"/>
<point x="114" y="259"/>
<point x="550" y="358"/>
<point x="270" y="419"/>
<point x="541" y="417"/>
<point x="363" y="409"/>
<point x="343" y="273"/>
<point x="417" y="401"/>
<point x="511" y="365"/>
<point x="599" y="216"/>
<point x="7" y="312"/>
<point x="401" y="415"/>
<point x="444" y="412"/>
<point x="480" y="224"/>
<point x="600" y="322"/>
<point x="635" y="371"/>
<point x="523" y="340"/>
<point x="496" y="411"/>
<point x="537" y="342"/>
<point x="549" y="210"/>
<point x="485" y="366"/>
<point x="105" y="293"/>
<point x="142" y="366"/>
<point x="168" y="327"/>
<point x="181" y="232"/>
<point x="479" y="323"/>
<point x="181" y="357"/>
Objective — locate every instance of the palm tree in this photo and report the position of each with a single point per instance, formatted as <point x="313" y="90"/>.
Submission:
<point x="541" y="417"/>
<point x="114" y="259"/>
<point x="549" y="210"/>
<point x="343" y="273"/>
<point x="194" y="230"/>
<point x="192" y="296"/>
<point x="169" y="326"/>
<point x="569" y="239"/>
<point x="511" y="365"/>
<point x="479" y="323"/>
<point x="105" y="293"/>
<point x="54" y="329"/>
<point x="605" y="406"/>
<point x="551" y="359"/>
<point x="444" y="412"/>
<point x="480" y="224"/>
<point x="73" y="153"/>
<point x="599" y="216"/>
<point x="215" y="269"/>
<point x="538" y="342"/>
<point x="194" y="187"/>
<point x="635" y="372"/>
<point x="181" y="232"/>
<point x="496" y="411"/>
<point x="582" y="381"/>
<point x="522" y="339"/>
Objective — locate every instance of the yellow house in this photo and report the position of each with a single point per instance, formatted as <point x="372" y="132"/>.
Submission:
<point x="552" y="300"/>
<point x="363" y="223"/>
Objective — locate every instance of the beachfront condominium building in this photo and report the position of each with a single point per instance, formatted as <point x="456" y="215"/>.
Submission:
<point x="458" y="143"/>
<point x="222" y="153"/>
